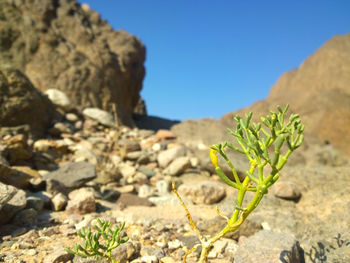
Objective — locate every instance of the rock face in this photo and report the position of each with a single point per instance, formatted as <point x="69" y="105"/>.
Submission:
<point x="60" y="45"/>
<point x="21" y="103"/>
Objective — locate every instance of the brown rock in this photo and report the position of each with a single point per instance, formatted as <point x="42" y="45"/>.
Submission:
<point x="162" y="135"/>
<point x="21" y="103"/>
<point x="59" y="45"/>
<point x="127" y="199"/>
<point x="82" y="201"/>
<point x="286" y="190"/>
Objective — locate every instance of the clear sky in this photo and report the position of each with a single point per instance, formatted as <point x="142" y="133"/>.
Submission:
<point x="207" y="58"/>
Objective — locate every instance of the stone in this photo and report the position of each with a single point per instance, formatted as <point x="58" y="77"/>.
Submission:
<point x="286" y="190"/>
<point x="205" y="192"/>
<point x="165" y="135"/>
<point x="99" y="115"/>
<point x="127" y="171"/>
<point x="81" y="201"/>
<point x="85" y="155"/>
<point x="6" y="193"/>
<point x="133" y="155"/>
<point x="35" y="202"/>
<point x="163" y="187"/>
<point x="71" y="117"/>
<point x="14" y="177"/>
<point x="13" y="206"/>
<point x="59" y="128"/>
<point x="255" y="249"/>
<point x="73" y="175"/>
<point x="145" y="191"/>
<point x="26" y="217"/>
<point x="58" y="256"/>
<point x="59" y="98"/>
<point x="59" y="202"/>
<point x="127" y="251"/>
<point x="18" y="148"/>
<point x="21" y="103"/>
<point x="167" y="156"/>
<point x="178" y="166"/>
<point x="127" y="199"/>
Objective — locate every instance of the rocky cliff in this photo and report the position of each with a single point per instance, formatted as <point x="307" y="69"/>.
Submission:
<point x="63" y="45"/>
<point x="319" y="90"/>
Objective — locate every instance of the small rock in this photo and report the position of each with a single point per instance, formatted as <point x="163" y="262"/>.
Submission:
<point x="127" y="199"/>
<point x="127" y="171"/>
<point x="133" y="155"/>
<point x="178" y="166"/>
<point x="73" y="175"/>
<point x="35" y="202"/>
<point x="163" y="187"/>
<point x="99" y="115"/>
<point x="59" y="98"/>
<point x="286" y="190"/>
<point x="59" y="128"/>
<point x="71" y="117"/>
<point x="165" y="135"/>
<point x="167" y="156"/>
<point x="145" y="191"/>
<point x="26" y="217"/>
<point x="205" y="192"/>
<point x="58" y="256"/>
<point x="6" y="193"/>
<point x="59" y="202"/>
<point x="174" y="244"/>
<point x="82" y="201"/>
<point x="12" y="206"/>
<point x="255" y="249"/>
<point x="126" y="252"/>
<point x="167" y="260"/>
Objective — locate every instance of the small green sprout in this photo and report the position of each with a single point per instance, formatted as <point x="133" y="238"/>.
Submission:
<point x="263" y="147"/>
<point x="93" y="247"/>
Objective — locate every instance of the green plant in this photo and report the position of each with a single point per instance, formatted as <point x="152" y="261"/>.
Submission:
<point x="93" y="247"/>
<point x="262" y="147"/>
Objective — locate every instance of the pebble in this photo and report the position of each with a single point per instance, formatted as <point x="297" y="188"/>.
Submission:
<point x="286" y="190"/>
<point x="178" y="166"/>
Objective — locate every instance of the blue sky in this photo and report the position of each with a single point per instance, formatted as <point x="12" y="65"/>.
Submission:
<point x="207" y="58"/>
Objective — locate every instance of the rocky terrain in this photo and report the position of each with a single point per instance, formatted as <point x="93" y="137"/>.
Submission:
<point x="70" y="151"/>
<point x="88" y="167"/>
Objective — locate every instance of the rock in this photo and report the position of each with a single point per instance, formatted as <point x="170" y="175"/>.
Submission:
<point x="162" y="135"/>
<point x="126" y="251"/>
<point x="18" y="148"/>
<point x="128" y="146"/>
<point x="81" y="201"/>
<point x="127" y="171"/>
<point x="99" y="115"/>
<point x="73" y="175"/>
<point x="167" y="156"/>
<point x="205" y="192"/>
<point x="280" y="245"/>
<point x="127" y="199"/>
<point x="77" y="52"/>
<point x="26" y="217"/>
<point x="21" y="103"/>
<point x="71" y="117"/>
<point x="59" y="98"/>
<point x="178" y="166"/>
<point x="6" y="193"/>
<point x="286" y="190"/>
<point x="59" y="202"/>
<point x="145" y="191"/>
<point x="163" y="187"/>
<point x="13" y="206"/>
<point x="61" y="255"/>
<point x="14" y="177"/>
<point x="59" y="128"/>
<point x="35" y="202"/>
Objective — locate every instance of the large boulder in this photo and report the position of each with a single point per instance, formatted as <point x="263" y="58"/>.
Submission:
<point x="58" y="44"/>
<point x="21" y="103"/>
